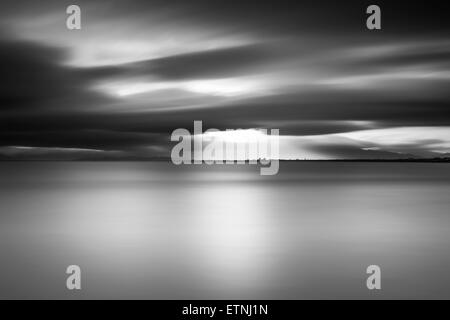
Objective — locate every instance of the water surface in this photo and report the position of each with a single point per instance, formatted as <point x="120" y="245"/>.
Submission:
<point x="158" y="231"/>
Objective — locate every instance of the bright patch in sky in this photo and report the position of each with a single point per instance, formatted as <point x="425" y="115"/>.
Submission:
<point x="438" y="137"/>
<point x="236" y="136"/>
<point x="229" y="87"/>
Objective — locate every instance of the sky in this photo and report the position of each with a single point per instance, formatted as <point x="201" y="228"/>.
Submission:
<point x="137" y="70"/>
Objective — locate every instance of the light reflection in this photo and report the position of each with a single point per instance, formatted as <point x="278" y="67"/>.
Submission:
<point x="232" y="228"/>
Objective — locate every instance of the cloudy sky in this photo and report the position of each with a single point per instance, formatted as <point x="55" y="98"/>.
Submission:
<point x="137" y="70"/>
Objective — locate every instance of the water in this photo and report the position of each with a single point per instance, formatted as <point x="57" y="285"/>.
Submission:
<point x="157" y="231"/>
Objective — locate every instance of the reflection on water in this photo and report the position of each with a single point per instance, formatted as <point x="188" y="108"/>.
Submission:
<point x="153" y="230"/>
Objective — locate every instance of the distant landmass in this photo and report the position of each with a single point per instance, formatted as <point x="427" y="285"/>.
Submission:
<point x="131" y="158"/>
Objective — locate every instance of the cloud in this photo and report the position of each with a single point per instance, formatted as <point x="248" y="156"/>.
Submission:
<point x="422" y="141"/>
<point x="139" y="70"/>
<point x="216" y="63"/>
<point x="34" y="80"/>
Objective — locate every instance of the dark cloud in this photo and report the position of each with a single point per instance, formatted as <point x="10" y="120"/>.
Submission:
<point x="34" y="80"/>
<point x="324" y="71"/>
<point x="205" y="64"/>
<point x="298" y="17"/>
<point x="30" y="75"/>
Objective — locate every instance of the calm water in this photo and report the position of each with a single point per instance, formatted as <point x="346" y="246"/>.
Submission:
<point x="157" y="231"/>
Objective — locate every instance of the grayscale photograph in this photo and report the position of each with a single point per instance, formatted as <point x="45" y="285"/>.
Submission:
<point x="224" y="150"/>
